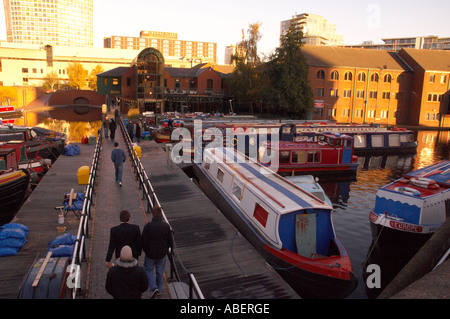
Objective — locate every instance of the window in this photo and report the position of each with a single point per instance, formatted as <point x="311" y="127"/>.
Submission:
<point x="220" y="175"/>
<point x="432" y="78"/>
<point x="384" y="114"/>
<point x="374" y="77"/>
<point x="386" y="95"/>
<point x="331" y="112"/>
<point x="373" y="94"/>
<point x="313" y="156"/>
<point x="434" y="97"/>
<point x="345" y="112"/>
<point x="348" y="76"/>
<point x="299" y="157"/>
<point x="334" y="92"/>
<point x="115" y="81"/>
<point x="371" y="113"/>
<point x="443" y="79"/>
<point x="335" y="75"/>
<point x="285" y="156"/>
<point x="359" y="113"/>
<point x="260" y="214"/>
<point x="361" y="77"/>
<point x="319" y="92"/>
<point x="321" y="74"/>
<point x="432" y="116"/>
<point x="360" y="94"/>
<point x="387" y="78"/>
<point x="24" y="70"/>
<point x="347" y="93"/>
<point x="236" y="190"/>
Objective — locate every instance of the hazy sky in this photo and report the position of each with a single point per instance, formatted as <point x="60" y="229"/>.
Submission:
<point x="222" y="21"/>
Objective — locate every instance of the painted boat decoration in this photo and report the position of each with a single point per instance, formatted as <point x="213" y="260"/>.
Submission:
<point x="324" y="154"/>
<point x="409" y="210"/>
<point x="291" y="228"/>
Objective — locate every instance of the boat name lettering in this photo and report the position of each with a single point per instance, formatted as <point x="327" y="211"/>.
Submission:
<point x="406" y="227"/>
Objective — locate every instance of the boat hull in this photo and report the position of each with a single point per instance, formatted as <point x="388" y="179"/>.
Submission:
<point x="307" y="284"/>
<point x="13" y="190"/>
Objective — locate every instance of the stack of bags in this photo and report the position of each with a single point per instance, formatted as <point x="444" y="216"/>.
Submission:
<point x="12" y="238"/>
<point x="62" y="246"/>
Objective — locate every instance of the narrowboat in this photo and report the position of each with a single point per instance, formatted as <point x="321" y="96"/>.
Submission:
<point x="409" y="210"/>
<point x="324" y="154"/>
<point x="291" y="228"/>
<point x="14" y="186"/>
<point x="311" y="185"/>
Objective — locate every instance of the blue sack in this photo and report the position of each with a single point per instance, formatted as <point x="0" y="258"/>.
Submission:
<point x="16" y="226"/>
<point x="66" y="239"/>
<point x="72" y="150"/>
<point x="7" y="251"/>
<point x="12" y="233"/>
<point x="62" y="251"/>
<point x="12" y="243"/>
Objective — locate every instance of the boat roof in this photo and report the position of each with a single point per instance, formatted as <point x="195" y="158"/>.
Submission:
<point x="280" y="194"/>
<point x="292" y="146"/>
<point x="439" y="172"/>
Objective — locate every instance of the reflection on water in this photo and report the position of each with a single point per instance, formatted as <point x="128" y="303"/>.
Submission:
<point x="353" y="201"/>
<point x="75" y="131"/>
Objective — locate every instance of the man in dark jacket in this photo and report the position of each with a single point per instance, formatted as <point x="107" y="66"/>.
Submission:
<point x="156" y="241"/>
<point x="124" y="234"/>
<point x="126" y="280"/>
<point x="118" y="157"/>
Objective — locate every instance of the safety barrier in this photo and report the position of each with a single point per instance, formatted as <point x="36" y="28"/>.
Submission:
<point x="149" y="195"/>
<point x="74" y="277"/>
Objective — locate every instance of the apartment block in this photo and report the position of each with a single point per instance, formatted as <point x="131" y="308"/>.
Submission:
<point x="167" y="43"/>
<point x="50" y="22"/>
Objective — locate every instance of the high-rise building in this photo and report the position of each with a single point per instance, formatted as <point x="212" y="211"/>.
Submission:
<point x="316" y="29"/>
<point x="431" y="42"/>
<point x="169" y="45"/>
<point x="50" y="22"/>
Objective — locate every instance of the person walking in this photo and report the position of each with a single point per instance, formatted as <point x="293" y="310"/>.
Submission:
<point x="138" y="133"/>
<point x="112" y="129"/>
<point x="118" y="157"/>
<point x="130" y="130"/>
<point x="122" y="235"/>
<point x="156" y="242"/>
<point x="126" y="280"/>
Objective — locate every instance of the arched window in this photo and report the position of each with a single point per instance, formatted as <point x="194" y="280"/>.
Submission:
<point x="387" y="78"/>
<point x="321" y="74"/>
<point x="335" y="75"/>
<point x="361" y="77"/>
<point x="374" y="77"/>
<point x="348" y="76"/>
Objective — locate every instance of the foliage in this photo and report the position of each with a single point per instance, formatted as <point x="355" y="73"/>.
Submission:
<point x="133" y="112"/>
<point x="287" y="90"/>
<point x="77" y="75"/>
<point x="8" y="95"/>
<point x="92" y="81"/>
<point x="50" y="79"/>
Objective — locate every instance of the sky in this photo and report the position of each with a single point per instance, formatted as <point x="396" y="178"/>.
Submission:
<point x="222" y="21"/>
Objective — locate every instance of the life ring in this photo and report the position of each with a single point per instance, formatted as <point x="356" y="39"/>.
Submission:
<point x="407" y="191"/>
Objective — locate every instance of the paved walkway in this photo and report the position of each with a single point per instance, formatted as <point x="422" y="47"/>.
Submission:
<point x="110" y="200"/>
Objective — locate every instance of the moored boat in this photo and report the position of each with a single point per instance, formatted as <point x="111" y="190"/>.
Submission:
<point x="409" y="210"/>
<point x="291" y="228"/>
<point x="311" y="185"/>
<point x="324" y="154"/>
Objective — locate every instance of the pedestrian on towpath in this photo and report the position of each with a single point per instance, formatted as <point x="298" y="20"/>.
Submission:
<point x="126" y="280"/>
<point x="124" y="234"/>
<point x="112" y="129"/>
<point x="118" y="157"/>
<point x="156" y="242"/>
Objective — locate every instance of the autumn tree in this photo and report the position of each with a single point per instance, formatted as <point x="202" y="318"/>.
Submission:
<point x="244" y="82"/>
<point x="50" y="79"/>
<point x="288" y="91"/>
<point x="92" y="81"/>
<point x="77" y="75"/>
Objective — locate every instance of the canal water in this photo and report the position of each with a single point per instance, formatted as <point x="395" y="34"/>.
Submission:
<point x="353" y="201"/>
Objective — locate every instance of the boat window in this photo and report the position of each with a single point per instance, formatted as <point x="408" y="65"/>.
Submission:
<point x="347" y="143"/>
<point x="207" y="163"/>
<point x="260" y="214"/>
<point x="236" y="190"/>
<point x="220" y="175"/>
<point x="338" y="142"/>
<point x="299" y="157"/>
<point x="313" y="156"/>
<point x="285" y="156"/>
<point x="377" y="141"/>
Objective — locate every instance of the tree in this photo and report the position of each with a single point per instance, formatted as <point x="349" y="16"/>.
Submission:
<point x="288" y="91"/>
<point x="92" y="81"/>
<point x="244" y="82"/>
<point x="77" y="75"/>
<point x="51" y="79"/>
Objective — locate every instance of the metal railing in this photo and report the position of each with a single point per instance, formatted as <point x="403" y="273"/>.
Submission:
<point x="148" y="193"/>
<point x="74" y="277"/>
